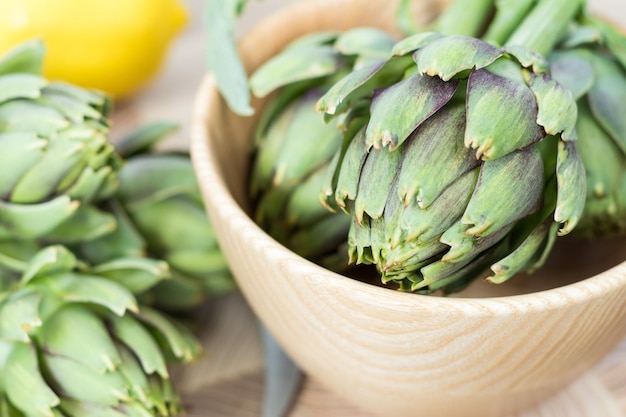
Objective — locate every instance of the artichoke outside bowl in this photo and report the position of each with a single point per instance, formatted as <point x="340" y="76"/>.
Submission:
<point x="490" y="351"/>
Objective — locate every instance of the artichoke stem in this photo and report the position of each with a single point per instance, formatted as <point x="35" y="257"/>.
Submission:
<point x="464" y="17"/>
<point x="545" y="24"/>
<point x="509" y="14"/>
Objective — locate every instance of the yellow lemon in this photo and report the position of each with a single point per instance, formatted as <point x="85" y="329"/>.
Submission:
<point x="112" y="45"/>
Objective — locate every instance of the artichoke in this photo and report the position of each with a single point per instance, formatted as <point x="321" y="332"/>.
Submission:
<point x="466" y="157"/>
<point x="591" y="62"/>
<point x="160" y="215"/>
<point x="65" y="162"/>
<point x="293" y="146"/>
<point x="74" y="342"/>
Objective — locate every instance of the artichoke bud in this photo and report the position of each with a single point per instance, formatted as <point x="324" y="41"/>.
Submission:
<point x="467" y="158"/>
<point x="163" y="246"/>
<point x="294" y="148"/>
<point x="590" y="62"/>
<point x="57" y="306"/>
<point x="59" y="132"/>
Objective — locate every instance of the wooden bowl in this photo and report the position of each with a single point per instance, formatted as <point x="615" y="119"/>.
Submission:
<point x="484" y="353"/>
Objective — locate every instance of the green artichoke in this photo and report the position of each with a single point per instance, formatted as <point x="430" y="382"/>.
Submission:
<point x="74" y="342"/>
<point x="160" y="215"/>
<point x="293" y="146"/>
<point x="591" y="62"/>
<point x="466" y="160"/>
<point x="65" y="162"/>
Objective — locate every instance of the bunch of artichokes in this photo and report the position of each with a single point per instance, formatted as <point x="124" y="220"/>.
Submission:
<point x="76" y="343"/>
<point x="90" y="243"/>
<point x="458" y="155"/>
<point x="591" y="62"/>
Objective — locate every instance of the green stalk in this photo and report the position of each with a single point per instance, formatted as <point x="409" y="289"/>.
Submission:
<point x="545" y="24"/>
<point x="509" y="14"/>
<point x="462" y="17"/>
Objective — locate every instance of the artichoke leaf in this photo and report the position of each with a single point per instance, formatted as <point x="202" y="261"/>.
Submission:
<point x="27" y="390"/>
<point x="557" y="107"/>
<point x="295" y="64"/>
<point x="35" y="220"/>
<point x="136" y="337"/>
<point x="399" y="109"/>
<point x="67" y="330"/>
<point x="495" y="203"/>
<point x="433" y="158"/>
<point x="13" y="86"/>
<point x="501" y="115"/>
<point x="571" y="187"/>
<point x="451" y="55"/>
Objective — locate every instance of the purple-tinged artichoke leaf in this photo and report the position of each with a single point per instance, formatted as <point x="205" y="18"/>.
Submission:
<point x="606" y="98"/>
<point x="412" y="43"/>
<point x="508" y="189"/>
<point x="572" y="69"/>
<point x="377" y="175"/>
<point x="434" y="157"/>
<point x="571" y="187"/>
<point x="361" y="83"/>
<point x="350" y="170"/>
<point x="557" y="107"/>
<point x="450" y="55"/>
<point x="407" y="259"/>
<point x="424" y="224"/>
<point x="295" y="64"/>
<point x="399" y="109"/>
<point x="501" y="115"/>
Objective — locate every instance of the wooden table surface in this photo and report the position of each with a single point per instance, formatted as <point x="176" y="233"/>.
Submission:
<point x="227" y="380"/>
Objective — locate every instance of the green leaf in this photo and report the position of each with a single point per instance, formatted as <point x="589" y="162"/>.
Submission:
<point x="13" y="86"/>
<point x="19" y="316"/>
<point x="435" y="144"/>
<point x="606" y="98"/>
<point x="571" y="187"/>
<point x="83" y="383"/>
<point x="222" y="55"/>
<point x="27" y="57"/>
<point x="83" y="288"/>
<point x="144" y="138"/>
<point x="182" y="345"/>
<point x="508" y="189"/>
<point x="75" y="332"/>
<point x="501" y="115"/>
<point x="293" y="65"/>
<point x="27" y="390"/>
<point x="573" y="70"/>
<point x="557" y="107"/>
<point x="49" y="261"/>
<point x="399" y="109"/>
<point x="451" y="55"/>
<point x="138" y="339"/>
<point x="86" y="224"/>
<point x="28" y="146"/>
<point x="136" y="274"/>
<point x="365" y="41"/>
<point x="35" y="220"/>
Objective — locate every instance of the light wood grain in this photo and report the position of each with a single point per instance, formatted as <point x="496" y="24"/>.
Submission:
<point x="394" y="353"/>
